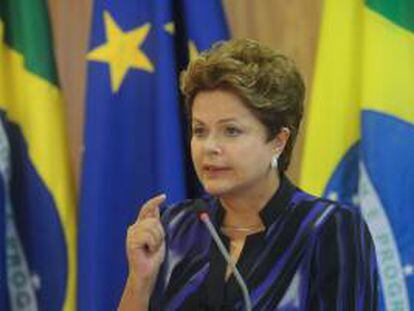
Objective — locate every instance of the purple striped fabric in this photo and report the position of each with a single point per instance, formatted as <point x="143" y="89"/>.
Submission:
<point x="315" y="254"/>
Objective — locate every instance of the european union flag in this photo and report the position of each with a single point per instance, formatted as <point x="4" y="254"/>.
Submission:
<point x="134" y="140"/>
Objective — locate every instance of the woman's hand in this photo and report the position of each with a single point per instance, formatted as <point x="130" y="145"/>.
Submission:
<point x="145" y="246"/>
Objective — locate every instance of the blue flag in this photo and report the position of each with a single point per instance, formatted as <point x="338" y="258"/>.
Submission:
<point x="134" y="134"/>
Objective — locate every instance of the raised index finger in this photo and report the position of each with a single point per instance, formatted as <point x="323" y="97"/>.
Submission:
<point x="150" y="208"/>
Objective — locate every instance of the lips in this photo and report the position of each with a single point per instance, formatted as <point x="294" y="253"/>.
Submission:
<point x="215" y="169"/>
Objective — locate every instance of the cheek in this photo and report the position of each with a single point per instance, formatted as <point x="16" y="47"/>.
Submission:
<point x="195" y="153"/>
<point x="255" y="157"/>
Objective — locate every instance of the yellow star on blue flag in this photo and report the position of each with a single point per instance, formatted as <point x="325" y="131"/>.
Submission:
<point x="122" y="50"/>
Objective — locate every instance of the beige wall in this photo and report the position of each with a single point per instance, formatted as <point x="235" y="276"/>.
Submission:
<point x="70" y="23"/>
<point x="290" y="26"/>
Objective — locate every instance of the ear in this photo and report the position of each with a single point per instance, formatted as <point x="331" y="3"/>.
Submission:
<point x="281" y="139"/>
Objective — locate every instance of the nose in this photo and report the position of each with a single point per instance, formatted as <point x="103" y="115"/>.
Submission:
<point x="212" y="145"/>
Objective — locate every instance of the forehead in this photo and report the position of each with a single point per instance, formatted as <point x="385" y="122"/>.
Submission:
<point x="220" y="104"/>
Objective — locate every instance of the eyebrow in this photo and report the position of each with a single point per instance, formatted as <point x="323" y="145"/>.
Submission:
<point x="220" y="121"/>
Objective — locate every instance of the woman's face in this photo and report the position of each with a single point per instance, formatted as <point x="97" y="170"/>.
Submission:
<point x="230" y="152"/>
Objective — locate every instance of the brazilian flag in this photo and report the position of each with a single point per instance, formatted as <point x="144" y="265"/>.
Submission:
<point x="4" y="178"/>
<point x="40" y="211"/>
<point x="359" y="147"/>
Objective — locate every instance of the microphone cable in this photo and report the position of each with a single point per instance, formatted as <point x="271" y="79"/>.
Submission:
<point x="205" y="218"/>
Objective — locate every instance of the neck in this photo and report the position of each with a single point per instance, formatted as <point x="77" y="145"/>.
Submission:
<point x="242" y="208"/>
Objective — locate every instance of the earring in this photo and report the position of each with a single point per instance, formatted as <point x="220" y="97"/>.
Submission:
<point x="274" y="161"/>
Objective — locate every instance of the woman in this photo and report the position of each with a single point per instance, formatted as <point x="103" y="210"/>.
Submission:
<point x="295" y="251"/>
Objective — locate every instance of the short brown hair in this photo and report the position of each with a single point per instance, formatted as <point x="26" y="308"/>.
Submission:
<point x="267" y="81"/>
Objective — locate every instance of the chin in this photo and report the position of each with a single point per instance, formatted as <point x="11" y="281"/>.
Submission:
<point x="216" y="189"/>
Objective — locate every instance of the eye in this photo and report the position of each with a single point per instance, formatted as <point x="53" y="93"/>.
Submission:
<point x="198" y="131"/>
<point x="232" y="131"/>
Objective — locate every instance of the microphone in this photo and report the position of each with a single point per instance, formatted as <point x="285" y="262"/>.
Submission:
<point x="203" y="215"/>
